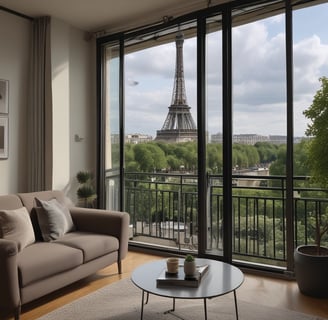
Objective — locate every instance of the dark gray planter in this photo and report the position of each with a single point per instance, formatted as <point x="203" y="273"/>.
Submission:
<point x="311" y="271"/>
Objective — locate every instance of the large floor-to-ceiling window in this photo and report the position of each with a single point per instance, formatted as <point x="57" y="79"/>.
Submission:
<point x="214" y="134"/>
<point x="231" y="191"/>
<point x="160" y="147"/>
<point x="259" y="114"/>
<point x="110" y="122"/>
<point x="310" y="51"/>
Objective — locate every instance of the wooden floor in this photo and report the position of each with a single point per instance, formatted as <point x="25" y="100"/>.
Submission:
<point x="262" y="290"/>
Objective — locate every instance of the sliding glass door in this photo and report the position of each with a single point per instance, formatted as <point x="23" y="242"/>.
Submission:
<point x="161" y="137"/>
<point x="259" y="140"/>
<point x="110" y="122"/>
<point x="214" y="134"/>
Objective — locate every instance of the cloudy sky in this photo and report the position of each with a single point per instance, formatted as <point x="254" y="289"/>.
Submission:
<point x="259" y="92"/>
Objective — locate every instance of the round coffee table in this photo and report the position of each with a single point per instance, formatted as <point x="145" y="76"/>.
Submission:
<point x="220" y="279"/>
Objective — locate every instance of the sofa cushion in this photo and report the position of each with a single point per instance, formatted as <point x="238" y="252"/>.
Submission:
<point x="16" y="225"/>
<point x="43" y="259"/>
<point x="54" y="219"/>
<point x="92" y="245"/>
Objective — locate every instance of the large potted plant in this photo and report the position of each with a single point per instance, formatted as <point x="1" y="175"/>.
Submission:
<point x="311" y="261"/>
<point x="311" y="264"/>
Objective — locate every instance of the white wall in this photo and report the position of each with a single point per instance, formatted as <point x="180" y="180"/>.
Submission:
<point x="60" y="44"/>
<point x="14" y="66"/>
<point x="74" y="107"/>
<point x="82" y="105"/>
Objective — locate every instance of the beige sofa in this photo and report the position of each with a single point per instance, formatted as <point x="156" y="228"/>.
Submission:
<point x="35" y="261"/>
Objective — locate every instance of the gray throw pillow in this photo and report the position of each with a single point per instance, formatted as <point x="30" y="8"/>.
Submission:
<point x="16" y="225"/>
<point x="54" y="219"/>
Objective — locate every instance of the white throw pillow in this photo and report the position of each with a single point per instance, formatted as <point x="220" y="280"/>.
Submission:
<point x="16" y="225"/>
<point x="54" y="219"/>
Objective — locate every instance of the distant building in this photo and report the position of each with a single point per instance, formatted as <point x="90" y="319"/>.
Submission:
<point x="252" y="139"/>
<point x="138" y="138"/>
<point x="276" y="139"/>
<point x="217" y="138"/>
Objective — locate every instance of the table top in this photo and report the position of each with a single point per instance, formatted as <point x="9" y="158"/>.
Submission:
<point x="220" y="278"/>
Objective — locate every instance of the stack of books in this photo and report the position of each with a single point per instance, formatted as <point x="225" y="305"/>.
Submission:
<point x="180" y="279"/>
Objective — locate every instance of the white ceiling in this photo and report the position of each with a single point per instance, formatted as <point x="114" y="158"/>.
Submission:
<point x="108" y="15"/>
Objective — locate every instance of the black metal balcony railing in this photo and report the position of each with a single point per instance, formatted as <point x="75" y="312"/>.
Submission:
<point x="163" y="210"/>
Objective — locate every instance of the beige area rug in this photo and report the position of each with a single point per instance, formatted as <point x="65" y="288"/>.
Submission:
<point x="122" y="301"/>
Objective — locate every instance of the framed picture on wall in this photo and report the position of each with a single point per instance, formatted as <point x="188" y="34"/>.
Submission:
<point x="4" y="96"/>
<point x="4" y="137"/>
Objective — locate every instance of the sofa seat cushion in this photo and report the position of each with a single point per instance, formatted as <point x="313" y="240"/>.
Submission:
<point x="43" y="259"/>
<point x="92" y="245"/>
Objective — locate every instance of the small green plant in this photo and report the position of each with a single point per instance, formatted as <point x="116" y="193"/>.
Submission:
<point x="83" y="177"/>
<point x="86" y="193"/>
<point x="189" y="258"/>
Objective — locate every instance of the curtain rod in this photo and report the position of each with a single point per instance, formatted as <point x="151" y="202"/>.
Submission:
<point x="16" y="13"/>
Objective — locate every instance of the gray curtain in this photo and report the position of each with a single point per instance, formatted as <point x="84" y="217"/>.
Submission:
<point x="39" y="111"/>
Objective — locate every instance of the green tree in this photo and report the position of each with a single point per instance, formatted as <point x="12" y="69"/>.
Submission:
<point x="173" y="162"/>
<point x="317" y="129"/>
<point x="278" y="167"/>
<point x="301" y="167"/>
<point x="252" y="155"/>
<point x="214" y="157"/>
<point x="267" y="151"/>
<point x="150" y="157"/>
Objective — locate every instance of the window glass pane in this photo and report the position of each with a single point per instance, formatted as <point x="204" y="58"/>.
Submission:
<point x="161" y="137"/>
<point x="214" y="130"/>
<point x="112" y="103"/>
<point x="259" y="140"/>
<point x="310" y="64"/>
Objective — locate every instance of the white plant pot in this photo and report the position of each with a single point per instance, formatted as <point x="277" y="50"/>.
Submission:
<point x="189" y="268"/>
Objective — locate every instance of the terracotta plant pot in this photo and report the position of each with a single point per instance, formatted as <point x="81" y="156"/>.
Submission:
<point x="311" y="271"/>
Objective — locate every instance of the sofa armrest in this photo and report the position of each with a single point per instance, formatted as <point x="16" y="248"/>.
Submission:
<point x="9" y="284"/>
<point x="114" y="223"/>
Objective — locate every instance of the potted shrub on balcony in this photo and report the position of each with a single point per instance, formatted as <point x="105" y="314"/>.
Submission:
<point x="311" y="264"/>
<point x="311" y="261"/>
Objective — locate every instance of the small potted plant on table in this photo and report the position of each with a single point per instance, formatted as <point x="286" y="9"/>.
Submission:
<point x="189" y="265"/>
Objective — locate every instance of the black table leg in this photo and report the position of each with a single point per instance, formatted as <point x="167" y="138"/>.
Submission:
<point x="142" y="304"/>
<point x="173" y="308"/>
<point x="205" y="308"/>
<point x="236" y="306"/>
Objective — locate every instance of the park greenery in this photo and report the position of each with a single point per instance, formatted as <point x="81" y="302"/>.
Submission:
<point x="259" y="214"/>
<point x="176" y="157"/>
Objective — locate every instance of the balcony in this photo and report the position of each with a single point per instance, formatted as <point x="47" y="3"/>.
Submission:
<point x="164" y="214"/>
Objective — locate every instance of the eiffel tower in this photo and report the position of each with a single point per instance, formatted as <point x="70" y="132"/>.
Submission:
<point x="179" y="126"/>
